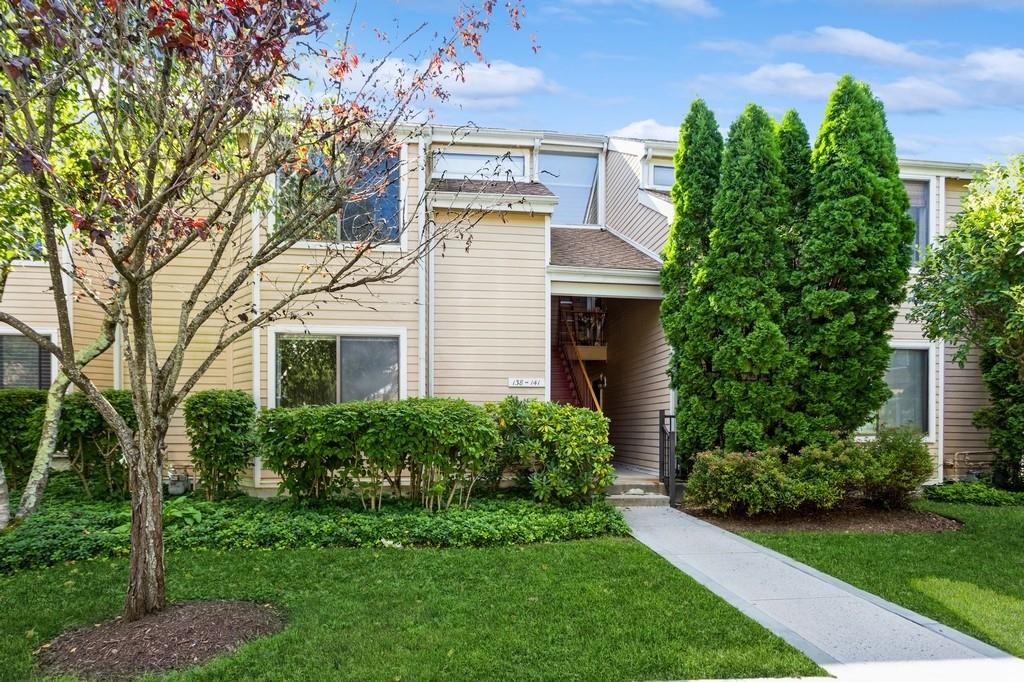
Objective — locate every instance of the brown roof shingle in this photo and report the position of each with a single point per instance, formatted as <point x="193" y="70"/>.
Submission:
<point x="587" y="248"/>
<point x="502" y="187"/>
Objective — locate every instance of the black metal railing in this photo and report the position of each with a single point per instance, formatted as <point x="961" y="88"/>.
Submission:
<point x="667" y="469"/>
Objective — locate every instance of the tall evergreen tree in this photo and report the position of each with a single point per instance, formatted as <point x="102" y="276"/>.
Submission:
<point x="795" y="153"/>
<point x="854" y="264"/>
<point x="737" y="289"/>
<point x="697" y="162"/>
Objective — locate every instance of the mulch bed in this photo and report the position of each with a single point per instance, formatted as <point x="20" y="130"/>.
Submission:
<point x="847" y="519"/>
<point x="182" y="635"/>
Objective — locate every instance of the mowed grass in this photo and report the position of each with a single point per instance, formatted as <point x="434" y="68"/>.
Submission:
<point x="605" y="609"/>
<point x="972" y="579"/>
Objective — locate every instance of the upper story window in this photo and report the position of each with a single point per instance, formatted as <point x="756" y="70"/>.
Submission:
<point x="23" y="364"/>
<point x="317" y="369"/>
<point x="917" y="190"/>
<point x="573" y="179"/>
<point x="663" y="175"/>
<point x="507" y="167"/>
<point x="372" y="214"/>
<point x="908" y="378"/>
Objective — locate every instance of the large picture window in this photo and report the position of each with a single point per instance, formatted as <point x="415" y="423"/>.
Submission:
<point x="908" y="378"/>
<point x="573" y="179"/>
<point x="23" y="364"/>
<point x="372" y="215"/>
<point x="505" y="167"/>
<point x="917" y="191"/>
<point x="318" y="369"/>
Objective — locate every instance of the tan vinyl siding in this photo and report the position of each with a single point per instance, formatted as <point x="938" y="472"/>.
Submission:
<point x="489" y="318"/>
<point x="637" y="383"/>
<point x="28" y="297"/>
<point x="624" y="214"/>
<point x="88" y="319"/>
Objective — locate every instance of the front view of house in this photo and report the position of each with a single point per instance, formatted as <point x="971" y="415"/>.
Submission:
<point x="556" y="296"/>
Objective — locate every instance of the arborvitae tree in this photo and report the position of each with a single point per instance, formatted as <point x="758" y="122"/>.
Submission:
<point x="854" y="263"/>
<point x="795" y="152"/>
<point x="697" y="163"/>
<point x="736" y="289"/>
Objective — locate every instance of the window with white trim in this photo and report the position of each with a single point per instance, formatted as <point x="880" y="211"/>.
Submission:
<point x="23" y="364"/>
<point x="917" y="191"/>
<point x="320" y="369"/>
<point x="573" y="179"/>
<point x="505" y="167"/>
<point x="663" y="176"/>
<point x="372" y="213"/>
<point x="908" y="377"/>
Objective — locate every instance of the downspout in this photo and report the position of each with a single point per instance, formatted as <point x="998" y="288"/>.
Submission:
<point x="424" y="300"/>
<point x="535" y="161"/>
<point x="257" y="392"/>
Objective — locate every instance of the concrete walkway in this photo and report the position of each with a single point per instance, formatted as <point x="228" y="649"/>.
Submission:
<point x="850" y="633"/>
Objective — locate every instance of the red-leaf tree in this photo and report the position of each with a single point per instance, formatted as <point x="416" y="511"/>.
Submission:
<point x="198" y="110"/>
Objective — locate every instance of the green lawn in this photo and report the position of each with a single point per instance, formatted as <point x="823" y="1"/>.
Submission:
<point x="972" y="579"/>
<point x="605" y="609"/>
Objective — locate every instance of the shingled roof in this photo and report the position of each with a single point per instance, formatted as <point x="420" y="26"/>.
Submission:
<point x="502" y="187"/>
<point x="586" y="248"/>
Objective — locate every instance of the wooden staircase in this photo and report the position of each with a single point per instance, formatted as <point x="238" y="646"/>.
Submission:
<point x="562" y="389"/>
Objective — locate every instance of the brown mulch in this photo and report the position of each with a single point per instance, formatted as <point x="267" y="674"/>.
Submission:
<point x="847" y="519"/>
<point x="182" y="635"/>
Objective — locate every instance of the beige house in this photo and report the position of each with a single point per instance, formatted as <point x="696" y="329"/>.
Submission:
<point x="556" y="298"/>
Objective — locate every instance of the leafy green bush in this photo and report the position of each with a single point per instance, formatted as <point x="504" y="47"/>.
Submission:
<point x="92" y="447"/>
<point x="512" y="417"/>
<point x="73" y="530"/>
<point x="750" y="482"/>
<point x="570" y="450"/>
<point x="897" y="462"/>
<point x="17" y="450"/>
<point x="444" y="444"/>
<point x="823" y="476"/>
<point x="220" y="426"/>
<point x="973" y="492"/>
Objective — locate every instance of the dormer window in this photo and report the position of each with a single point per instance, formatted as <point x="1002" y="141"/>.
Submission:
<point x="663" y="176"/>
<point x="917" y="191"/>
<point x="573" y="177"/>
<point x="458" y="165"/>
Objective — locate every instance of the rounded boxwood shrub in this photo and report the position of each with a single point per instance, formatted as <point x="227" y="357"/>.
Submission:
<point x="897" y="462"/>
<point x="219" y="424"/>
<point x="17" y="449"/>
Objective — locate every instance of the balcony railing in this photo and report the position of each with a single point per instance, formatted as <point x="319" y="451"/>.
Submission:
<point x="587" y="327"/>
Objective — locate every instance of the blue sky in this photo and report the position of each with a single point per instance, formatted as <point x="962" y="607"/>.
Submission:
<point x="951" y="72"/>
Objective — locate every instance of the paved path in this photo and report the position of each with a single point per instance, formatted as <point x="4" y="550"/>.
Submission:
<point x="852" y="634"/>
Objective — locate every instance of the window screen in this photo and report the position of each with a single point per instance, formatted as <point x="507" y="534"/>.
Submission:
<point x="22" y="363"/>
<point x="320" y="370"/>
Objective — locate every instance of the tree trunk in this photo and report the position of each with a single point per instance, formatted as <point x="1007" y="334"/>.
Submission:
<point x="33" y="493"/>
<point x="146" y="590"/>
<point x="5" y="501"/>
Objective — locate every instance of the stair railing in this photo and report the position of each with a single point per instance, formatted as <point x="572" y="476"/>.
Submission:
<point x="578" y="369"/>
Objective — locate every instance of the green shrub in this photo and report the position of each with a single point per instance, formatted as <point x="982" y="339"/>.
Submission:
<point x="897" y="462"/>
<point x="220" y="427"/>
<point x="17" y="449"/>
<point x="749" y="482"/>
<point x="512" y="417"/>
<point x="823" y="476"/>
<point x="92" y="447"/>
<point x="443" y="444"/>
<point x="73" y="530"/>
<point x="966" y="492"/>
<point x="570" y="451"/>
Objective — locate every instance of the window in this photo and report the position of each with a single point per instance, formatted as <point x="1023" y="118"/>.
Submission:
<point x="573" y="179"/>
<point x="907" y="377"/>
<point x="23" y="364"/>
<point x="479" y="166"/>
<point x="663" y="176"/>
<point x="917" y="190"/>
<point x="371" y="216"/>
<point x="315" y="369"/>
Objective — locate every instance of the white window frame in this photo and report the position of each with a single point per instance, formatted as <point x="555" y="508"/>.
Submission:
<point x="7" y="330"/>
<point x="580" y="150"/>
<point x="933" y="229"/>
<point x="900" y="344"/>
<point x="435" y="174"/>
<point x="401" y="333"/>
<point x="403" y="236"/>
<point x="649" y="174"/>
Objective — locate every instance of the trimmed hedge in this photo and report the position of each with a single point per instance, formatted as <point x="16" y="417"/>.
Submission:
<point x="219" y="424"/>
<point x="17" y="449"/>
<point x="885" y="472"/>
<point x="73" y="530"/>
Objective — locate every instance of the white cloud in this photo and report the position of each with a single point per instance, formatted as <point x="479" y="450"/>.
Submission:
<point x="647" y="129"/>
<point x="701" y="8"/>
<point x="917" y="95"/>
<point x="498" y="85"/>
<point x="1003" y="66"/>
<point x="854" y="43"/>
<point x="742" y="48"/>
<point x="785" y="79"/>
<point x="1004" y="145"/>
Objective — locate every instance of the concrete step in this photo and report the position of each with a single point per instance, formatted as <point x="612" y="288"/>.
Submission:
<point x="638" y="500"/>
<point x="637" y="488"/>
